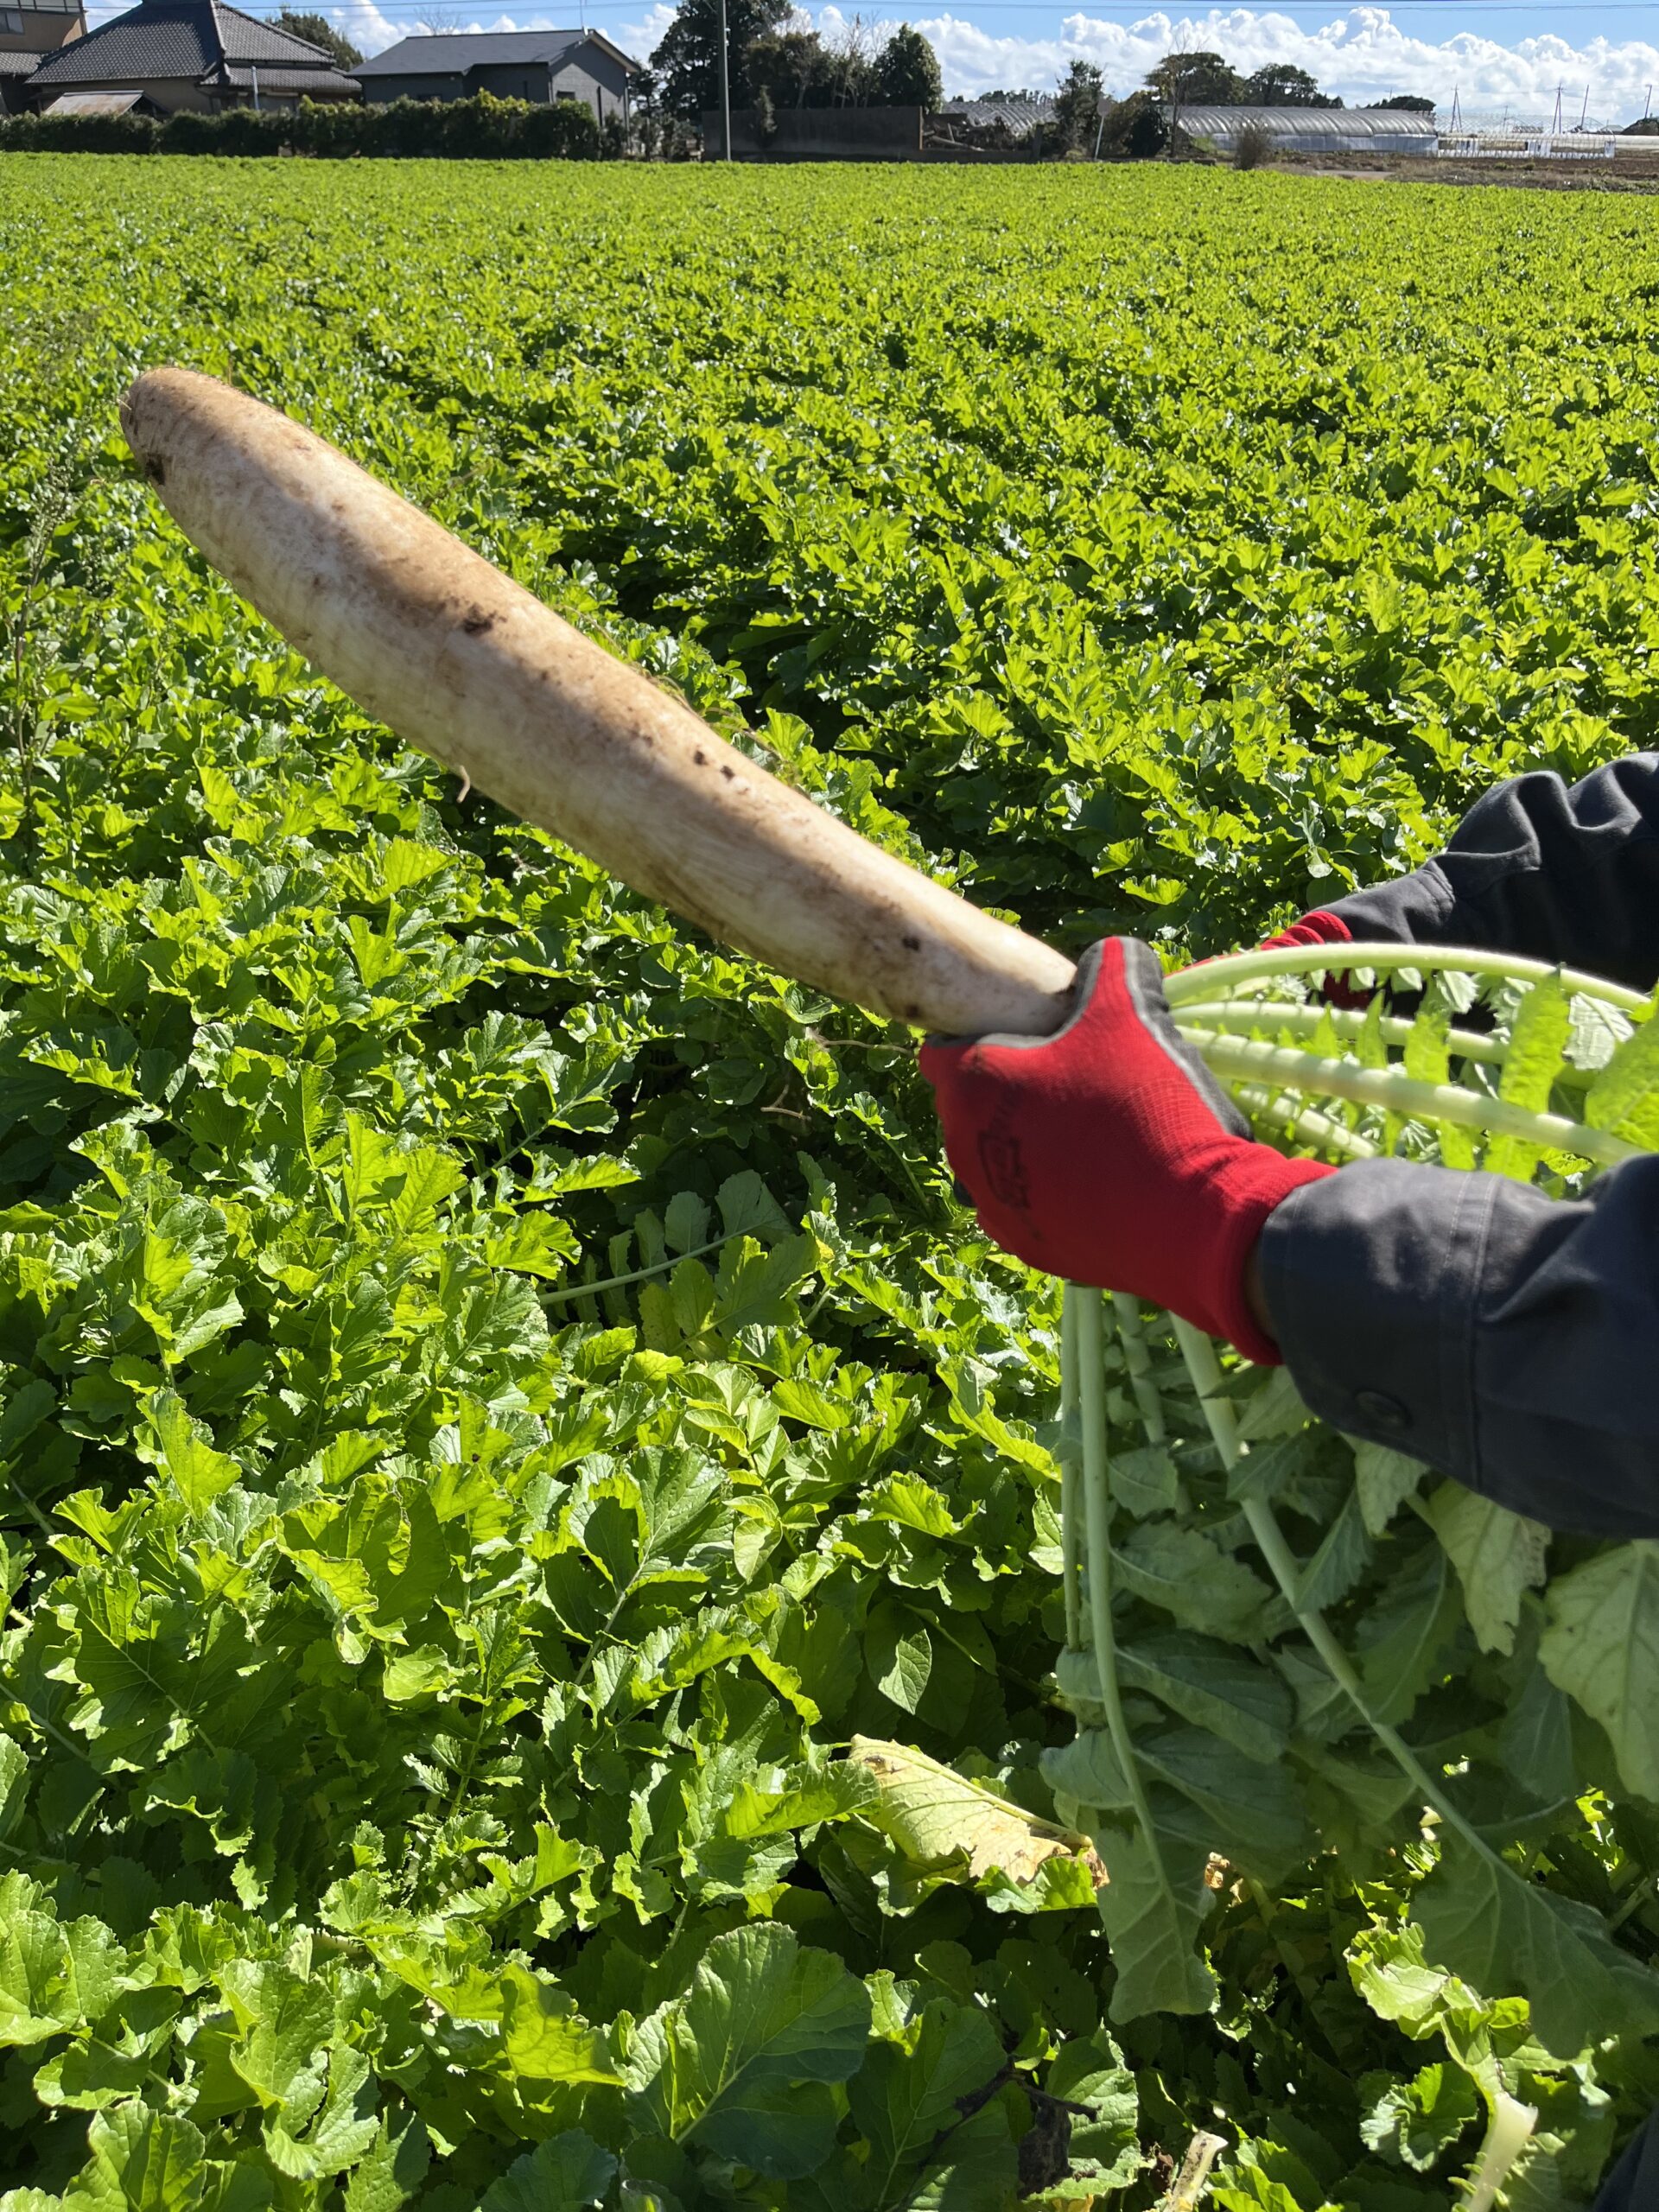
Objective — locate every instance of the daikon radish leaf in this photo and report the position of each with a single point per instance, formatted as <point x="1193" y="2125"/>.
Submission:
<point x="1144" y="1480"/>
<point x="914" y="2087"/>
<point x="935" y="1815"/>
<point x="182" y="1448"/>
<point x="1537" y="1050"/>
<point x="1275" y="1409"/>
<point x="566" y="2173"/>
<point x="1386" y="1478"/>
<point x="1427" y="1059"/>
<point x="764" y="2017"/>
<point x="1253" y="1813"/>
<point x="1502" y="1931"/>
<point x="1624" y="1096"/>
<point x="1214" y="1685"/>
<point x="1153" y="1907"/>
<point x="1183" y="1571"/>
<point x="1499" y="1556"/>
<point x="1601" y="1645"/>
<point x="1418" y="2121"/>
<point x="1399" y="1639"/>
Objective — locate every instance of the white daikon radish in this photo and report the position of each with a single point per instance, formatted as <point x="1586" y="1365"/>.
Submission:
<point x="465" y="663"/>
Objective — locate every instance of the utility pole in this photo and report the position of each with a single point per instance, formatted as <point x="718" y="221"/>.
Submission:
<point x="725" y="84"/>
<point x="255" y="68"/>
<point x="1585" y="110"/>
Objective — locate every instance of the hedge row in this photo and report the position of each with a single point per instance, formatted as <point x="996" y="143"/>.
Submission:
<point x="480" y="129"/>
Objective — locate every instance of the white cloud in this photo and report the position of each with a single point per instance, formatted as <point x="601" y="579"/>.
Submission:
<point x="371" y="31"/>
<point x="641" y="37"/>
<point x="367" y="29"/>
<point x="1360" y="55"/>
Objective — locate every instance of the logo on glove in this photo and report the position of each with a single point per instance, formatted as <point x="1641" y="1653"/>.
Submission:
<point x="1005" y="1170"/>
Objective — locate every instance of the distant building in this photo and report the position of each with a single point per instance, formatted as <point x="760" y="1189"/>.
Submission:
<point x="1313" y="130"/>
<point x="538" y="66"/>
<point x="1522" y="142"/>
<point x="816" y="134"/>
<point x="171" y="54"/>
<point x="27" y="32"/>
<point x="1017" y="117"/>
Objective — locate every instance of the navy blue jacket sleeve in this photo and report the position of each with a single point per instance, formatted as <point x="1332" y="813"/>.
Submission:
<point x="1570" y="876"/>
<point x="1633" y="2185"/>
<point x="1508" y="1340"/>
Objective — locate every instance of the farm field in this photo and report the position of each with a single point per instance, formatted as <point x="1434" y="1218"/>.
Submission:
<point x="498" y="1395"/>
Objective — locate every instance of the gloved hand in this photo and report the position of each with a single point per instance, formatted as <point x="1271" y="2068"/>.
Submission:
<point x="1316" y="928"/>
<point x="1109" y="1153"/>
<point x="1322" y="928"/>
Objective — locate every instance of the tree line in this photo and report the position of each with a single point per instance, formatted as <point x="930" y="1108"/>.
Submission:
<point x="774" y="63"/>
<point x="1206" y="80"/>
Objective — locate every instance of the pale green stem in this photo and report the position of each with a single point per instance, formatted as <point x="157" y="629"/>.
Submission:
<point x="1071" y="1519"/>
<point x="1192" y="2185"/>
<point x="1126" y="1310"/>
<point x="1305" y="1124"/>
<point x="1210" y="1384"/>
<point x="1643" y="1893"/>
<point x="1250" y="1060"/>
<point x="1188" y="984"/>
<point x="1240" y="1016"/>
<point x="1097" y="1508"/>
<point x="1507" y="2134"/>
<point x="1207" y="1380"/>
<point x="639" y="1274"/>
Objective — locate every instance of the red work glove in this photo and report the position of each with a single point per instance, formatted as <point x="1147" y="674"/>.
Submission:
<point x="1316" y="928"/>
<point x="1321" y="928"/>
<point x="1110" y="1155"/>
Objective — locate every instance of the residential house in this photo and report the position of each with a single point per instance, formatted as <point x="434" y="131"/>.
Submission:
<point x="538" y="66"/>
<point x="28" y="29"/>
<point x="169" y="54"/>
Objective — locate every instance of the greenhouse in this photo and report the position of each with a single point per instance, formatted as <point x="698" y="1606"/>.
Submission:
<point x="1316" y="129"/>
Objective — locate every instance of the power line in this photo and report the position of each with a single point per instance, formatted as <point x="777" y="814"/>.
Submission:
<point x="414" y="9"/>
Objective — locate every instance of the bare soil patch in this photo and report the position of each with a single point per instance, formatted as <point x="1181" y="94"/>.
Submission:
<point x="1625" y="173"/>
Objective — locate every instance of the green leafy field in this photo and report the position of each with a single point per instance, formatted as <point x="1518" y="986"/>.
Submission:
<point x="425" y="1678"/>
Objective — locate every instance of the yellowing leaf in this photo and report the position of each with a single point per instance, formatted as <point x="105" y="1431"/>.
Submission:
<point x="935" y="1815"/>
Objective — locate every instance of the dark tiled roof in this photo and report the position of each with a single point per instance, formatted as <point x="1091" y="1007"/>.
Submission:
<point x="165" y="38"/>
<point x="321" y="84"/>
<point x="452" y="53"/>
<point x="173" y="38"/>
<point x="245" y="38"/>
<point x="19" y="64"/>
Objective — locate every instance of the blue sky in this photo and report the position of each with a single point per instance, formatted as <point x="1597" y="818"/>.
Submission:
<point x="1499" y="55"/>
